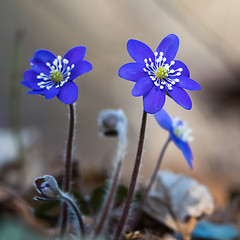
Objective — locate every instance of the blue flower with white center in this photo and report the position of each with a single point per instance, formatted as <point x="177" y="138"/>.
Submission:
<point x="157" y="74"/>
<point x="53" y="76"/>
<point x="178" y="132"/>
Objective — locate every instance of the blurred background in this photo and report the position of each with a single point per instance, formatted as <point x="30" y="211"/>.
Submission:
<point x="209" y="33"/>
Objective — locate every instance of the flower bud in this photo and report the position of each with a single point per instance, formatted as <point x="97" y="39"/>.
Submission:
<point x="111" y="122"/>
<point x="47" y="187"/>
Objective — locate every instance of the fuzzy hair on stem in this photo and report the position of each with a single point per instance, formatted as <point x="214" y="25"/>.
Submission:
<point x="133" y="182"/>
<point x="112" y="121"/>
<point x="68" y="168"/>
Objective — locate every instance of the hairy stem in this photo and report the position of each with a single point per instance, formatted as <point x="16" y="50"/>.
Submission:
<point x="109" y="201"/>
<point x="147" y="190"/>
<point x="117" y="164"/>
<point x="68" y="168"/>
<point x="77" y="212"/>
<point x="133" y="178"/>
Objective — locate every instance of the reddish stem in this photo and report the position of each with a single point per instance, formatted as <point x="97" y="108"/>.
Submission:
<point x="147" y="190"/>
<point x="133" y="179"/>
<point x="68" y="168"/>
<point x="109" y="201"/>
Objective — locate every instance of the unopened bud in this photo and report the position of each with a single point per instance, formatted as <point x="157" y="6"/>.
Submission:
<point x="111" y="122"/>
<point x="47" y="187"/>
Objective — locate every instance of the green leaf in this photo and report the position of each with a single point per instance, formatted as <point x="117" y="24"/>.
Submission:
<point x="121" y="193"/>
<point x="97" y="197"/>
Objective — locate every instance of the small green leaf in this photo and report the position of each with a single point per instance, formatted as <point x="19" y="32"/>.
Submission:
<point x="121" y="193"/>
<point x="97" y="197"/>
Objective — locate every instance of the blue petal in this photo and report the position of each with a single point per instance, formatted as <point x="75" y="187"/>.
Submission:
<point x="68" y="93"/>
<point x="169" y="46"/>
<point x="142" y="86"/>
<point x="75" y="54"/>
<point x="38" y="92"/>
<point x="188" y="83"/>
<point x="31" y="80"/>
<point x="180" y="97"/>
<point x="131" y="71"/>
<point x="185" y="148"/>
<point x="179" y="64"/>
<point x="139" y="51"/>
<point x="39" y="66"/>
<point x="39" y="60"/>
<point x="80" y="68"/>
<point x="52" y="92"/>
<point x="154" y="100"/>
<point x="44" y="56"/>
<point x="31" y="85"/>
<point x="164" y="120"/>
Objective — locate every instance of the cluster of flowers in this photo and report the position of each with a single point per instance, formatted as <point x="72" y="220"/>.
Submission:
<point x="156" y="74"/>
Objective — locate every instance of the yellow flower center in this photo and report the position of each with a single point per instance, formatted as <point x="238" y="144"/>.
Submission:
<point x="56" y="76"/>
<point x="161" y="72"/>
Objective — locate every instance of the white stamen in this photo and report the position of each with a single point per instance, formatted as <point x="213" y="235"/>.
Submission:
<point x="60" y="65"/>
<point x="151" y="68"/>
<point x="65" y="61"/>
<point x="181" y="130"/>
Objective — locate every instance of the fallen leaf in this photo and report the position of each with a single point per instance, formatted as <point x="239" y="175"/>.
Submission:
<point x="179" y="202"/>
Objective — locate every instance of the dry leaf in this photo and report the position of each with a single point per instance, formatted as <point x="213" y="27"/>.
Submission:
<point x="179" y="202"/>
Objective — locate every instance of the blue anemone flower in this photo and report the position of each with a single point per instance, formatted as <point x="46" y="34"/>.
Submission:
<point x="157" y="74"/>
<point x="178" y="132"/>
<point x="53" y="76"/>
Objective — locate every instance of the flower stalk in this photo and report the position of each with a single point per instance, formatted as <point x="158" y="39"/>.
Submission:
<point x="133" y="178"/>
<point x="113" y="121"/>
<point x="68" y="168"/>
<point x="109" y="201"/>
<point x="77" y="212"/>
<point x="147" y="190"/>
